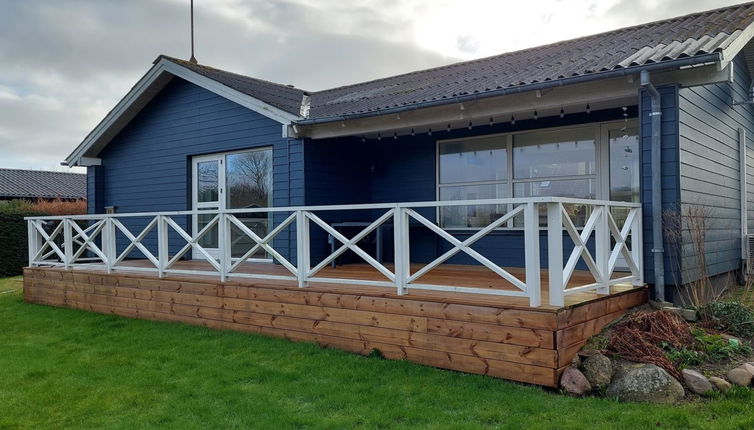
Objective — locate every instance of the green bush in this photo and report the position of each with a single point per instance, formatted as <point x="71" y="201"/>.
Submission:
<point x="13" y="237"/>
<point x="730" y="317"/>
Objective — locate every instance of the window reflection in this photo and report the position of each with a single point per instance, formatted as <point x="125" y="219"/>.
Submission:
<point x="249" y="183"/>
<point x="472" y="216"/>
<point x="554" y="153"/>
<point x="473" y="161"/>
<point x="207" y="181"/>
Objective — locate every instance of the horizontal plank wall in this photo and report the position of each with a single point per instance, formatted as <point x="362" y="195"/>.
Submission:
<point x="520" y="344"/>
<point x="709" y="166"/>
<point x="147" y="166"/>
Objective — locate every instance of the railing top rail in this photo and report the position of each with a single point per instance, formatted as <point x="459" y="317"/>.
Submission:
<point x="364" y="206"/>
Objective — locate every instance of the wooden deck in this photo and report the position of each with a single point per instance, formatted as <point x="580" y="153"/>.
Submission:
<point x="495" y="335"/>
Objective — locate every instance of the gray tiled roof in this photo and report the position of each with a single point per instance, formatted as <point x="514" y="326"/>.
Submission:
<point x="688" y="36"/>
<point x="285" y="97"/>
<point x="15" y="183"/>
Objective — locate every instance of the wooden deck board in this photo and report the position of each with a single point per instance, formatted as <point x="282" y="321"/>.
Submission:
<point x="494" y="335"/>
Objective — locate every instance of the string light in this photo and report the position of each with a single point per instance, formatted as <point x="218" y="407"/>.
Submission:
<point x="469" y="125"/>
<point x="536" y="116"/>
<point x="513" y="120"/>
<point x="588" y="109"/>
<point x="562" y="112"/>
<point x="429" y="133"/>
<point x="448" y="126"/>
<point x="395" y="135"/>
<point x="379" y="136"/>
<point x="363" y="139"/>
<point x="412" y="132"/>
<point x="492" y="122"/>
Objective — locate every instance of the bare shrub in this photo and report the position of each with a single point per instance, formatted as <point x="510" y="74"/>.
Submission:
<point x="690" y="225"/>
<point x="59" y="207"/>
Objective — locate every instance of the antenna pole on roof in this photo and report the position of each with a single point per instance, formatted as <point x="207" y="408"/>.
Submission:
<point x="192" y="59"/>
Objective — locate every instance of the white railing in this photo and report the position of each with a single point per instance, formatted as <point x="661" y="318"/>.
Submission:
<point x="94" y="240"/>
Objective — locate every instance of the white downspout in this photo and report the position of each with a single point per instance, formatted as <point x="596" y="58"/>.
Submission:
<point x="656" y="144"/>
<point x="744" y="198"/>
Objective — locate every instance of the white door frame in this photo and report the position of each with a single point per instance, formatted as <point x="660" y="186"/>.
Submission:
<point x="220" y="204"/>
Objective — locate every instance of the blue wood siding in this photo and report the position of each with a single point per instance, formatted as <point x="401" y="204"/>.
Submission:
<point x="147" y="167"/>
<point x="709" y="166"/>
<point x="95" y="192"/>
<point x="669" y="173"/>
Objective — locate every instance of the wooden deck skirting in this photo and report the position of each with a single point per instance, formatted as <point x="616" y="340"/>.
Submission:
<point x="482" y="335"/>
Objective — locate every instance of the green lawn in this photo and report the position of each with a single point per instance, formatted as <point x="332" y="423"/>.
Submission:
<point x="62" y="368"/>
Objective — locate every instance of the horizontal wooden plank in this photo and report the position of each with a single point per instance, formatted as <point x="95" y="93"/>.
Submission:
<point x="477" y="336"/>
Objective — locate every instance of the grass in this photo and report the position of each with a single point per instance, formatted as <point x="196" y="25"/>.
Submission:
<point x="62" y="368"/>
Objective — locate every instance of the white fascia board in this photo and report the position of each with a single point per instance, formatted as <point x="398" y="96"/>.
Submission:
<point x="729" y="52"/>
<point x="89" y="161"/>
<point x="154" y="79"/>
<point x="244" y="100"/>
<point x="597" y="93"/>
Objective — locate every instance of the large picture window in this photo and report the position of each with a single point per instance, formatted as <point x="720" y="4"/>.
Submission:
<point x="471" y="170"/>
<point x="566" y="162"/>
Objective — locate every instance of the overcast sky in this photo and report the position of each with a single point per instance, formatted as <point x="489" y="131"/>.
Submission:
<point x="65" y="63"/>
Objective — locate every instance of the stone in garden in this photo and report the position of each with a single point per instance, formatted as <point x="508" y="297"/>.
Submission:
<point x="576" y="361"/>
<point x="720" y="383"/>
<point x="646" y="383"/>
<point x="696" y="382"/>
<point x="740" y="376"/>
<point x="749" y="367"/>
<point x="598" y="370"/>
<point x="660" y="304"/>
<point x="689" y="315"/>
<point x="574" y="382"/>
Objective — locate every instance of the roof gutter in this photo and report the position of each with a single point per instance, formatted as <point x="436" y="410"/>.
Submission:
<point x="688" y="61"/>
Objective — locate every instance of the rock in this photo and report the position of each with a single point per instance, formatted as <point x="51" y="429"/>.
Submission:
<point x="749" y="367"/>
<point x="646" y="383"/>
<point x="576" y="361"/>
<point x="584" y="353"/>
<point x="690" y="315"/>
<point x="740" y="376"/>
<point x="696" y="382"/>
<point x="720" y="383"/>
<point x="660" y="304"/>
<point x="574" y="382"/>
<point x="598" y="370"/>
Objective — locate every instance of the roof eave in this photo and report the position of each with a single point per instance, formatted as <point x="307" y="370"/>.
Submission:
<point x="688" y="61"/>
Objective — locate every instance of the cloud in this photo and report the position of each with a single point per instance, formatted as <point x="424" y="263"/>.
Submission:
<point x="66" y="64"/>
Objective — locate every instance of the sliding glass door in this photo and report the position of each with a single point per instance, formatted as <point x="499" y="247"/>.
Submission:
<point x="235" y="180"/>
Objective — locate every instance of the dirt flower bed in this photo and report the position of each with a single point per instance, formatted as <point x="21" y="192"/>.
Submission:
<point x="657" y="356"/>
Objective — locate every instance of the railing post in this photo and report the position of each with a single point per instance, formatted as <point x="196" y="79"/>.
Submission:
<point x="302" y="248"/>
<point x="602" y="249"/>
<point x="401" y="249"/>
<point x="162" y="245"/>
<point x="33" y="244"/>
<point x="531" y="245"/>
<point x="224" y="244"/>
<point x="637" y="248"/>
<point x="108" y="243"/>
<point x="67" y="243"/>
<point x="555" y="253"/>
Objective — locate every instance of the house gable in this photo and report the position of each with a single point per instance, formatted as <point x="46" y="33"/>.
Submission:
<point x="148" y="87"/>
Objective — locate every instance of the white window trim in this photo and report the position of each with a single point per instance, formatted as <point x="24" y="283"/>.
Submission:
<point x="602" y="160"/>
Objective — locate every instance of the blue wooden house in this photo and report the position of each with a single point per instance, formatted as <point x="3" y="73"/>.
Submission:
<point x="549" y="168"/>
